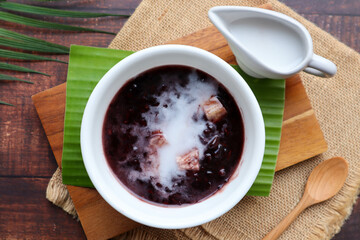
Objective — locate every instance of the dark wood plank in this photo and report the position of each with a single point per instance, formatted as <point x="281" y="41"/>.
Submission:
<point x="351" y="229"/>
<point x="23" y="145"/>
<point x="325" y="7"/>
<point x="25" y="213"/>
<point x="344" y="28"/>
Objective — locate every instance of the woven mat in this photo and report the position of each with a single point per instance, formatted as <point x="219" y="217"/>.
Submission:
<point x="336" y="102"/>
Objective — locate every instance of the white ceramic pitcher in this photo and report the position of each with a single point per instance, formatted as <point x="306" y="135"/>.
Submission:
<point x="268" y="44"/>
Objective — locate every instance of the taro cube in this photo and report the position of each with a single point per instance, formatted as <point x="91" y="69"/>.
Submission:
<point x="157" y="139"/>
<point x="214" y="110"/>
<point x="189" y="161"/>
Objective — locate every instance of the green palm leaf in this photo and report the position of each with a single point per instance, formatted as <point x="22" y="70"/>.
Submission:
<point x="13" y="67"/>
<point x="44" y="24"/>
<point x="29" y="46"/>
<point x="25" y="56"/>
<point x="5" y="103"/>
<point x="11" y="78"/>
<point x="31" y="41"/>
<point x="53" y="12"/>
<point x="19" y="41"/>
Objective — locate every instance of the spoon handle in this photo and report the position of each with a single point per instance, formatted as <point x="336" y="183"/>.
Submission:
<point x="284" y="224"/>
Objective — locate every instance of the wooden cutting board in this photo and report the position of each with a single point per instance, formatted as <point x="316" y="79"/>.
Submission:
<point x="301" y="137"/>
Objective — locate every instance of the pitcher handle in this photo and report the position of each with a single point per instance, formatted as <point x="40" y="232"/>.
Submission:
<point x="321" y="67"/>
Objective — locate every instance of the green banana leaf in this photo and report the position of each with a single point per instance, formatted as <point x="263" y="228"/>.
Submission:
<point x="83" y="77"/>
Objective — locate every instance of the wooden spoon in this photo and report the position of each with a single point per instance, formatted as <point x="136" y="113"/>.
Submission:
<point x="324" y="182"/>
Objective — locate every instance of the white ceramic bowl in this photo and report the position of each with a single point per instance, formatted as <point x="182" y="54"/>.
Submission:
<point x="127" y="203"/>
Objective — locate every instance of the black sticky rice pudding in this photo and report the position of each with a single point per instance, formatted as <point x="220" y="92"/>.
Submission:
<point x="173" y="135"/>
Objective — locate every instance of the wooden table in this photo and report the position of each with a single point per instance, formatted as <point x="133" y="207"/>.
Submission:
<point x="26" y="160"/>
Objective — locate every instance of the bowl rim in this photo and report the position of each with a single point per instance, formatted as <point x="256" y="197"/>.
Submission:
<point x="88" y="159"/>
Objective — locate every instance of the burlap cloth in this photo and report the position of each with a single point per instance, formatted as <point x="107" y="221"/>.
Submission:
<point x="336" y="102"/>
